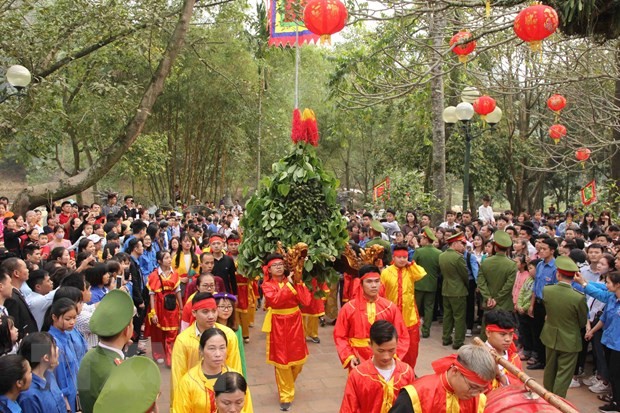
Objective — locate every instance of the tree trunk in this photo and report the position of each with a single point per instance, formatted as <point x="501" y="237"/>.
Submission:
<point x="36" y="195"/>
<point x="615" y="159"/>
<point x="436" y="29"/>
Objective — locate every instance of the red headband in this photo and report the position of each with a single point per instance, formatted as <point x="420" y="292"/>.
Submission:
<point x="207" y="303"/>
<point x="370" y="275"/>
<point x="567" y="273"/>
<point x="215" y="238"/>
<point x="230" y="240"/>
<point x="494" y="328"/>
<point x="269" y="264"/>
<point x="400" y="253"/>
<point x="442" y="365"/>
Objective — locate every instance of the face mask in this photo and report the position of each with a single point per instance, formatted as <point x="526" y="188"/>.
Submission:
<point x="60" y="235"/>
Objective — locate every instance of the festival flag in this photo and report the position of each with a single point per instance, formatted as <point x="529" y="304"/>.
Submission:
<point x="285" y="20"/>
<point x="380" y="189"/>
<point x="588" y="193"/>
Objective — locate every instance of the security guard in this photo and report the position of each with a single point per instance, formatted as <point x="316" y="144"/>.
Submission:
<point x="497" y="277"/>
<point x="566" y="316"/>
<point x="427" y="256"/>
<point x="132" y="387"/>
<point x="376" y="229"/>
<point x="112" y="321"/>
<point x="454" y="290"/>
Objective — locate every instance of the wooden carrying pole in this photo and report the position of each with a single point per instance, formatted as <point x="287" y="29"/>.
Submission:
<point x="530" y="383"/>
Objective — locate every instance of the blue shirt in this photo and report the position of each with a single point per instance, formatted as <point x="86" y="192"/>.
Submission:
<point x="546" y="274"/>
<point x="147" y="263"/>
<point x="96" y="294"/>
<point x="611" y="314"/>
<point x="43" y="396"/>
<point x="472" y="266"/>
<point x="69" y="363"/>
<point x="9" y="406"/>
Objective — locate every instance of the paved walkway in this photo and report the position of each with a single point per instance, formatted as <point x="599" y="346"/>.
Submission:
<point x="320" y="386"/>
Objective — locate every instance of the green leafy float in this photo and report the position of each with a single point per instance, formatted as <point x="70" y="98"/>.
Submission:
<point x="296" y="204"/>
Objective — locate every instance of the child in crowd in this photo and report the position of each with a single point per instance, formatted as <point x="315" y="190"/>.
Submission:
<point x="526" y="338"/>
<point x="15" y="378"/>
<point x="8" y="335"/>
<point x="500" y="330"/>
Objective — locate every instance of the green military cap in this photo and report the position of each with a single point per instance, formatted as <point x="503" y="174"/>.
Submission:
<point x="459" y="236"/>
<point x="132" y="387"/>
<point x="113" y="314"/>
<point x="428" y="233"/>
<point x="502" y="239"/>
<point x="566" y="266"/>
<point x="376" y="225"/>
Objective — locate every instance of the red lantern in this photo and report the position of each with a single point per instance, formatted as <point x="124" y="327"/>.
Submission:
<point x="557" y="132"/>
<point x="582" y="155"/>
<point x="556" y="102"/>
<point x="462" y="47"/>
<point x="325" y="17"/>
<point x="484" y="105"/>
<point x="535" y="23"/>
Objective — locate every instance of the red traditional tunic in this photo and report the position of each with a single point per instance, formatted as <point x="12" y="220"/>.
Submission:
<point x="167" y="320"/>
<point x="433" y="394"/>
<point x="317" y="305"/>
<point x="365" y="384"/>
<point x="513" y="357"/>
<point x="352" y="331"/>
<point x="347" y="292"/>
<point x="286" y="343"/>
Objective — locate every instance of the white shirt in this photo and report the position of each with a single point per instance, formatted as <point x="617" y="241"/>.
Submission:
<point x="486" y="214"/>
<point x="387" y="373"/>
<point x="117" y="351"/>
<point x="39" y="304"/>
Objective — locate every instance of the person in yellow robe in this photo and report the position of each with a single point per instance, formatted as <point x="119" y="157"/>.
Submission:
<point x="185" y="353"/>
<point x="399" y="282"/>
<point x="195" y="391"/>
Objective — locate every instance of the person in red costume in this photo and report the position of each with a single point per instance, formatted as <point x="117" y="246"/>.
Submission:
<point x="352" y="330"/>
<point x="457" y="385"/>
<point x="382" y="374"/>
<point x="286" y="345"/>
<point x="399" y="280"/>
<point x="314" y="311"/>
<point x="500" y="329"/>
<point x="245" y="295"/>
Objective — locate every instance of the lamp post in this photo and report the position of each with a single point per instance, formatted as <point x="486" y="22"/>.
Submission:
<point x="464" y="112"/>
<point x="17" y="78"/>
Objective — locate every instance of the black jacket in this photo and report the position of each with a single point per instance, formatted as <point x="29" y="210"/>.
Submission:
<point x="19" y="310"/>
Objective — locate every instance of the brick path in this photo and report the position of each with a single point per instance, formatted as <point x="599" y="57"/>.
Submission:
<point x="320" y="386"/>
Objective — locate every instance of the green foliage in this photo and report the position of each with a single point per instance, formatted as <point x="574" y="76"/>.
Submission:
<point x="297" y="203"/>
<point x="406" y="193"/>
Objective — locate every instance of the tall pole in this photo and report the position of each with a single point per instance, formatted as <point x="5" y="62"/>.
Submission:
<point x="466" y="166"/>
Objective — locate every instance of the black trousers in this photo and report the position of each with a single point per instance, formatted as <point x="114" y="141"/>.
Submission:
<point x="538" y="322"/>
<point x="526" y="332"/>
<point x="613" y="365"/>
<point x="471" y="304"/>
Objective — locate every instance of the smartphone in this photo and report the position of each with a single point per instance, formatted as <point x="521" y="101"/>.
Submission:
<point x="119" y="281"/>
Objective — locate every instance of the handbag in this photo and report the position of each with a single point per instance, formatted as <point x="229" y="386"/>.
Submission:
<point x="170" y="299"/>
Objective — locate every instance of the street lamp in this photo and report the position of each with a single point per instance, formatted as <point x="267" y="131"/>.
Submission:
<point x="464" y="112"/>
<point x="17" y="78"/>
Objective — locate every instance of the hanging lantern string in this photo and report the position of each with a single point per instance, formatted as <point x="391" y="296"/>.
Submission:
<point x="297" y="61"/>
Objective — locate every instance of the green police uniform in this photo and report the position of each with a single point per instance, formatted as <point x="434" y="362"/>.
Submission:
<point x="113" y="314"/>
<point x="497" y="277"/>
<point x="566" y="316"/>
<point x="428" y="258"/>
<point x="454" y="292"/>
<point x="132" y="387"/>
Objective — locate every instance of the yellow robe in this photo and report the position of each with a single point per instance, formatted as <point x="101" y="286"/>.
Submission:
<point x="195" y="393"/>
<point x="186" y="353"/>
<point x="403" y="295"/>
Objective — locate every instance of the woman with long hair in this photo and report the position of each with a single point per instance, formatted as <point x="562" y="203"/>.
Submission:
<point x="185" y="262"/>
<point x="15" y="378"/>
<point x="588" y="224"/>
<point x="166" y="306"/>
<point x="411" y="224"/>
<point x="63" y="316"/>
<point x="44" y="395"/>
<point x="12" y="235"/>
<point x="478" y="248"/>
<point x="604" y="220"/>
<point x="226" y="308"/>
<point x="175" y="244"/>
<point x="195" y="392"/>
<point x="58" y="238"/>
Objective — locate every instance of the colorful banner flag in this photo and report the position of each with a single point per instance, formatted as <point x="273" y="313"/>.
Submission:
<point x="588" y="193"/>
<point x="285" y="20"/>
<point x="380" y="189"/>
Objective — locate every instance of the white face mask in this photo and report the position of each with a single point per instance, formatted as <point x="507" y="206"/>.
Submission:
<point x="60" y="235"/>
